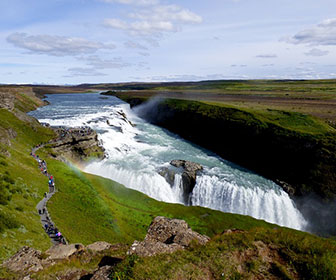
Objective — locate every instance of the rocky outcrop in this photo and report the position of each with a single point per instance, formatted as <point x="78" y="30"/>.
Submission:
<point x="7" y="100"/>
<point x="25" y="260"/>
<point x="189" y="173"/>
<point x="76" y="144"/>
<point x="28" y="261"/>
<point x="166" y="236"/>
<point x="62" y="252"/>
<point x="100" y="246"/>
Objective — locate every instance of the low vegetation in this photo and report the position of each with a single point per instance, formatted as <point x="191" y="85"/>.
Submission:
<point x="256" y="254"/>
<point x="87" y="208"/>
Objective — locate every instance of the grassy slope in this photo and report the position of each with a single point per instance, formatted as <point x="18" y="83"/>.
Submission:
<point x="89" y="208"/>
<point x="86" y="208"/>
<point x="105" y="210"/>
<point x="257" y="254"/>
<point x="24" y="184"/>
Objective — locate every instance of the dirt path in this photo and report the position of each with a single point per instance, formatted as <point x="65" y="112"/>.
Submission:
<point x="47" y="224"/>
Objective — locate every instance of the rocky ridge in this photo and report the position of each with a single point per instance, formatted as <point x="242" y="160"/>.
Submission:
<point x="76" y="144"/>
<point x="164" y="235"/>
<point x="28" y="261"/>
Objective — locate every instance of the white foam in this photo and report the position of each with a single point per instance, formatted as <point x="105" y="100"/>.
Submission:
<point x="136" y="153"/>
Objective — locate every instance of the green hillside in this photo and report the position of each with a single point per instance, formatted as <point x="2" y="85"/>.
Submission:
<point x="88" y="208"/>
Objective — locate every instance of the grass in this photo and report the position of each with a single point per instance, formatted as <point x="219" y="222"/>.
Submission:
<point x="258" y="254"/>
<point x="298" y="122"/>
<point x="88" y="208"/>
<point x="21" y="184"/>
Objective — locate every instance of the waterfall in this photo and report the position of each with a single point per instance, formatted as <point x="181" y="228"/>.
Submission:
<point x="270" y="205"/>
<point x="136" y="150"/>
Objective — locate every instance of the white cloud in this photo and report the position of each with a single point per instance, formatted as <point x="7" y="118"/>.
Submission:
<point x="266" y="56"/>
<point x="81" y="71"/>
<point x="155" y="20"/>
<point x="144" y="53"/>
<point x="323" y="33"/>
<point x="167" y="13"/>
<point x="316" y="52"/>
<point x="98" y="63"/>
<point x="235" y="65"/>
<point x="56" y="45"/>
<point x="134" y="2"/>
<point x="134" y="45"/>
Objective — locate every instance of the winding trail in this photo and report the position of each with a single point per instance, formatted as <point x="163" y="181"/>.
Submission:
<point x="47" y="224"/>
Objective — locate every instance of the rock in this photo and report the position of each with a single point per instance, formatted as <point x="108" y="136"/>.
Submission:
<point x="99" y="246"/>
<point x="76" y="144"/>
<point x="7" y="100"/>
<point x="286" y="187"/>
<point x="168" y="174"/>
<point x="25" y="260"/>
<point x="188" y="176"/>
<point x="232" y="231"/>
<point x="62" y="251"/>
<point x="102" y="273"/>
<point x="166" y="235"/>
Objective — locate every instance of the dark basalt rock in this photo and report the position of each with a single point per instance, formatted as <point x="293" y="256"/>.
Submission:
<point x="188" y="176"/>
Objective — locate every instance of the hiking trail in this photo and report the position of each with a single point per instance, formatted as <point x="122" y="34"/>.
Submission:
<point x="47" y="224"/>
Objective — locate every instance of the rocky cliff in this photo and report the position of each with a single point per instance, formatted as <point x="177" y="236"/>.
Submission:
<point x="301" y="162"/>
<point x="76" y="144"/>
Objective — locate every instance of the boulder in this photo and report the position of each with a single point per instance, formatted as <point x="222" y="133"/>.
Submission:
<point x="188" y="176"/>
<point x="61" y="251"/>
<point x="102" y="273"/>
<point x="166" y="235"/>
<point x="25" y="260"/>
<point x="99" y="246"/>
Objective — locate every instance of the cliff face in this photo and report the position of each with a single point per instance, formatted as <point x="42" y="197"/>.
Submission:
<point x="304" y="161"/>
<point x="76" y="144"/>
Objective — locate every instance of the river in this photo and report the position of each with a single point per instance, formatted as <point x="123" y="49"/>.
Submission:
<point x="136" y="150"/>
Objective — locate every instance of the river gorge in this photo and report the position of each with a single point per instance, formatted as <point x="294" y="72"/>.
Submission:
<point x="136" y="151"/>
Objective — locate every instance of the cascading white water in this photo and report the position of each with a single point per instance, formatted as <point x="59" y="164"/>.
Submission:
<point x="229" y="197"/>
<point x="136" y="153"/>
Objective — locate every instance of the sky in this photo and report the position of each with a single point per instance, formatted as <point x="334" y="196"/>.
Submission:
<point x="100" y="41"/>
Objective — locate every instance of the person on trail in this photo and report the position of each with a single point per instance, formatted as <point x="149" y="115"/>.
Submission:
<point x="45" y="194"/>
<point x="46" y="227"/>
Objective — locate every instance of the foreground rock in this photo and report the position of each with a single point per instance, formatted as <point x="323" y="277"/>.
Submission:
<point x="76" y="144"/>
<point x="25" y="260"/>
<point x="28" y="261"/>
<point x="166" y="236"/>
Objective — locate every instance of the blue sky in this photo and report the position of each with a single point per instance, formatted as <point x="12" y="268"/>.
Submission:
<point x="92" y="41"/>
